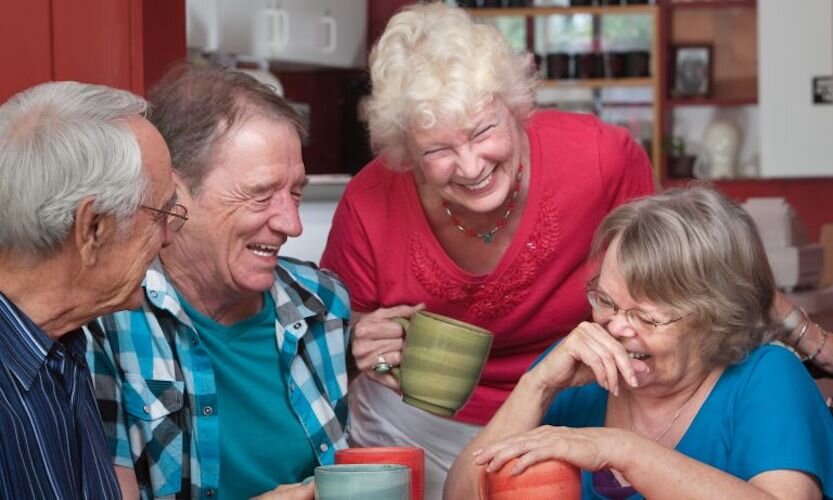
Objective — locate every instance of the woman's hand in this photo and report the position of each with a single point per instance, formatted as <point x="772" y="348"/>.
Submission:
<point x="296" y="491"/>
<point x="592" y="448"/>
<point x="588" y="353"/>
<point x="377" y="334"/>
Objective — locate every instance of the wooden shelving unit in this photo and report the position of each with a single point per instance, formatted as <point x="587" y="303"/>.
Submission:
<point x="598" y="83"/>
<point x="712" y="101"/>
<point x="653" y="81"/>
<point x="729" y="27"/>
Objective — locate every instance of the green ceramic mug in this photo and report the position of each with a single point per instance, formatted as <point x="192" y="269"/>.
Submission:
<point x="442" y="362"/>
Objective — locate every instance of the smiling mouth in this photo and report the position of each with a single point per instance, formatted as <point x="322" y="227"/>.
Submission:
<point x="641" y="356"/>
<point x="481" y="184"/>
<point x="262" y="250"/>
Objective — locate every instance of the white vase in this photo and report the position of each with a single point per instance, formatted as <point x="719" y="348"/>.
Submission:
<point x="719" y="154"/>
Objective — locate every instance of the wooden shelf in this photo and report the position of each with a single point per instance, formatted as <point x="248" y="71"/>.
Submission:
<point x="598" y="83"/>
<point x="625" y="10"/>
<point x="712" y="101"/>
<point x="712" y="4"/>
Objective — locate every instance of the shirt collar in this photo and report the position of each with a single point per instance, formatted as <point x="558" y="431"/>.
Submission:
<point x="24" y="345"/>
<point x="293" y="300"/>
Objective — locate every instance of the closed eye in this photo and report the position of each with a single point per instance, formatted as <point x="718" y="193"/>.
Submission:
<point x="433" y="151"/>
<point x="482" y="132"/>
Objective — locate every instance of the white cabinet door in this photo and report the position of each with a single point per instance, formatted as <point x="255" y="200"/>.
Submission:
<point x="795" y="44"/>
<point x="318" y="32"/>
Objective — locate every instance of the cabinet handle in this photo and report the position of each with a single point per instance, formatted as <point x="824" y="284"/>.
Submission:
<point x="330" y="26"/>
<point x="277" y="28"/>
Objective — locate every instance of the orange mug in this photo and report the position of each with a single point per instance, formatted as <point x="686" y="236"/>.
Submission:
<point x="411" y="457"/>
<point x="542" y="481"/>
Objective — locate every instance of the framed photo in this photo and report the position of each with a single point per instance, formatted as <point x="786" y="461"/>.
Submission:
<point x="692" y="71"/>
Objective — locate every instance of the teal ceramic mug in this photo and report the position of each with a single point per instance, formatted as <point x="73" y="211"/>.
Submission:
<point x="362" y="482"/>
<point x="442" y="362"/>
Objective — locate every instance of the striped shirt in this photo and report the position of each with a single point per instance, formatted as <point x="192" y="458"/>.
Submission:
<point x="51" y="440"/>
<point x="157" y="392"/>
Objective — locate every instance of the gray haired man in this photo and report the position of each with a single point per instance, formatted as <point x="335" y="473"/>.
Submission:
<point x="87" y="201"/>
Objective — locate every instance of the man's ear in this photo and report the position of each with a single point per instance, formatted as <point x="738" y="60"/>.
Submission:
<point x="182" y="188"/>
<point x="91" y="231"/>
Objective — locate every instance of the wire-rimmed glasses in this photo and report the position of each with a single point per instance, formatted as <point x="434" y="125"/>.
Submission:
<point x="174" y="218"/>
<point x="606" y="308"/>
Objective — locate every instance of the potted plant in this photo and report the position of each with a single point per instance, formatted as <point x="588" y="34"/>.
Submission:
<point x="680" y="163"/>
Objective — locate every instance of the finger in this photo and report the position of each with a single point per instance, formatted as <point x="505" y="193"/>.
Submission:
<point x="400" y="311"/>
<point x="608" y="362"/>
<point x="624" y="364"/>
<point x="385" y="379"/>
<point x="391" y="351"/>
<point x="370" y="329"/>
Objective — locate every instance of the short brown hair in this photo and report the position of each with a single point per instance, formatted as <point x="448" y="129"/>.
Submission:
<point x="195" y="107"/>
<point x="697" y="252"/>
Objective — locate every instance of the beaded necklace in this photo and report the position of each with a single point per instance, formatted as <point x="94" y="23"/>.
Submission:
<point x="488" y="236"/>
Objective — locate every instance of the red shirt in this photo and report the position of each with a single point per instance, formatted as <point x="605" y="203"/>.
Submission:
<point x="383" y="248"/>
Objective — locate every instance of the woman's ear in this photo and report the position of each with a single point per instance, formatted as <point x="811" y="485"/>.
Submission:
<point x="91" y="231"/>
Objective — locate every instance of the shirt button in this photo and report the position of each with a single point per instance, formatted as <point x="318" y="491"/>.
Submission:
<point x="207" y="410"/>
<point x="209" y="492"/>
<point x="153" y="293"/>
<point x="297" y="326"/>
<point x="147" y="409"/>
<point x="324" y="447"/>
<point x="194" y="341"/>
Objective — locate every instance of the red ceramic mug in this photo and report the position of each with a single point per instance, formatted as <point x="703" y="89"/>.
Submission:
<point x="542" y="481"/>
<point x="411" y="457"/>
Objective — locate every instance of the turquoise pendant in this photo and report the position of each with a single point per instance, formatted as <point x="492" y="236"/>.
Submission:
<point x="487" y="238"/>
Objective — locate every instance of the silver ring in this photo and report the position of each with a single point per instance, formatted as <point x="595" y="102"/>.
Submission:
<point x="381" y="366"/>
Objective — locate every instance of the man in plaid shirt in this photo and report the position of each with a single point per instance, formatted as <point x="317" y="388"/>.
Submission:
<point x="231" y="379"/>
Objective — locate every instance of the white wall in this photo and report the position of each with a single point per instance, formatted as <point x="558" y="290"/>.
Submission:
<point x="795" y="43"/>
<point x="317" y="209"/>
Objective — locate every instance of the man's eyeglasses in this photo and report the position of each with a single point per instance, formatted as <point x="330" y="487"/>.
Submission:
<point x="174" y="219"/>
<point x="605" y="309"/>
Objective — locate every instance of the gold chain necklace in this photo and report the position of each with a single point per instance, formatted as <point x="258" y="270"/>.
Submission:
<point x="673" y="419"/>
<point x="488" y="236"/>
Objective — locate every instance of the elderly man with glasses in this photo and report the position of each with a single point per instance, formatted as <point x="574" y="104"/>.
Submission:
<point x="77" y="163"/>
<point x="231" y="380"/>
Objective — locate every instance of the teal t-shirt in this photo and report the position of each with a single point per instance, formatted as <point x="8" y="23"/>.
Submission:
<point x="765" y="413"/>
<point x="262" y="442"/>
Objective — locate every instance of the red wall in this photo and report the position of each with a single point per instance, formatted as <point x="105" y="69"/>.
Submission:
<point x="811" y="198"/>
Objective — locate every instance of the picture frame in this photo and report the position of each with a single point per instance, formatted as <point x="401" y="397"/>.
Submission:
<point x="692" y="71"/>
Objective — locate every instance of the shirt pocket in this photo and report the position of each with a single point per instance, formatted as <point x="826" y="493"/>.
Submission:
<point x="156" y="433"/>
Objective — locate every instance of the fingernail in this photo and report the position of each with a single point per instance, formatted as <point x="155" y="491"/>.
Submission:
<point x="634" y="382"/>
<point x="477" y="452"/>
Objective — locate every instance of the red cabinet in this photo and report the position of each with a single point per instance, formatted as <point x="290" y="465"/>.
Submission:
<point x="122" y="43"/>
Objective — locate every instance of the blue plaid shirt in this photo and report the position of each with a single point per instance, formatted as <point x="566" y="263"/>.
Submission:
<point x="157" y="394"/>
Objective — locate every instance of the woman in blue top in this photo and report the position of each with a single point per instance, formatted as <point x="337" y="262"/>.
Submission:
<point x="701" y="407"/>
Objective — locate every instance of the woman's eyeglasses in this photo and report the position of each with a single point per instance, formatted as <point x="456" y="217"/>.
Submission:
<point x="174" y="218"/>
<point x="605" y="309"/>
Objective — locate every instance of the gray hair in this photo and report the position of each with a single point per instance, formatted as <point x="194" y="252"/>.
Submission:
<point x="61" y="142"/>
<point x="195" y="108"/>
<point x="697" y="252"/>
<point x="435" y="66"/>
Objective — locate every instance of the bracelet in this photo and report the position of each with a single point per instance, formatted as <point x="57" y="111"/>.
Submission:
<point x="801" y="333"/>
<point x="793" y="320"/>
<point x="824" y="334"/>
